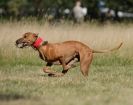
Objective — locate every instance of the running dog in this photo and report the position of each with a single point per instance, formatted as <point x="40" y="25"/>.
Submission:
<point x="65" y="53"/>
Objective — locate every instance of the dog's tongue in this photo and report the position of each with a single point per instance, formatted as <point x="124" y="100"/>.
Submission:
<point x="38" y="42"/>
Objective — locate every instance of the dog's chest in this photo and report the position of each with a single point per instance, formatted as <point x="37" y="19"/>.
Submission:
<point x="48" y="55"/>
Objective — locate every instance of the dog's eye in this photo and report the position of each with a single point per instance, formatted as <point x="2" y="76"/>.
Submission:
<point x="29" y="41"/>
<point x="25" y="36"/>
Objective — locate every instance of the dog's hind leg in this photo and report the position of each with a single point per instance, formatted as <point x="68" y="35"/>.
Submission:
<point x="64" y="65"/>
<point x="85" y="61"/>
<point x="71" y="63"/>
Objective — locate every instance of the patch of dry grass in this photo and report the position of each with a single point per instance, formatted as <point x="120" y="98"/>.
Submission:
<point x="95" y="36"/>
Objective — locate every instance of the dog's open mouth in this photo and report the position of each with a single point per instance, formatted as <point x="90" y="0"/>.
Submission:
<point x="21" y="45"/>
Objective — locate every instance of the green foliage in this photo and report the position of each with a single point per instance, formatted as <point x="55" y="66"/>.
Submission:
<point x="15" y="6"/>
<point x="36" y="7"/>
<point x="125" y="5"/>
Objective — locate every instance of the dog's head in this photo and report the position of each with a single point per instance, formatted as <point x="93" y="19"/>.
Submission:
<point x="27" y="39"/>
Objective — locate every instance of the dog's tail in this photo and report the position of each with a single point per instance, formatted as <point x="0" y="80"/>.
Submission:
<point x="110" y="50"/>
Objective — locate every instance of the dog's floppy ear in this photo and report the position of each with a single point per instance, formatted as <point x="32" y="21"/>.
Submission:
<point x="36" y="34"/>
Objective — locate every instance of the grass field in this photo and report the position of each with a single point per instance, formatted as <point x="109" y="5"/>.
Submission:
<point x="110" y="80"/>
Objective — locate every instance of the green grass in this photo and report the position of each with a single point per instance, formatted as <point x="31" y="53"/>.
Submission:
<point x="110" y="82"/>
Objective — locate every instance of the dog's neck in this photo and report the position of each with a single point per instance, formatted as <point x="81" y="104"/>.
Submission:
<point x="39" y="42"/>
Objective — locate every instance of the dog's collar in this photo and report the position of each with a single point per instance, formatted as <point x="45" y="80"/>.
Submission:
<point x="39" y="42"/>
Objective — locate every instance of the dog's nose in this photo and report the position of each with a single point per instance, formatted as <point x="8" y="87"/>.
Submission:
<point x="17" y="42"/>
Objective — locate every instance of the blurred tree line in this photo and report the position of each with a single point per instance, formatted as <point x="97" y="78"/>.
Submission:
<point x="39" y="8"/>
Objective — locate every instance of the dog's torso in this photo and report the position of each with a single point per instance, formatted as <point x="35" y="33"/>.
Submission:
<point x="67" y="50"/>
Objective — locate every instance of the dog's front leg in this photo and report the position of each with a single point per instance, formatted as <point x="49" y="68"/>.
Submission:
<point x="65" y="67"/>
<point x="51" y="72"/>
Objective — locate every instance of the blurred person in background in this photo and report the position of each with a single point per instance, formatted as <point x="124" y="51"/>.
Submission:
<point x="79" y="12"/>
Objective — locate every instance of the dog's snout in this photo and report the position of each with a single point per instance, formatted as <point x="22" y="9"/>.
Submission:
<point x="18" y="41"/>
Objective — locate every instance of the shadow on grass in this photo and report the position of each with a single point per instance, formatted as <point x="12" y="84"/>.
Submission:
<point x="8" y="97"/>
<point x="43" y="75"/>
<point x="48" y="75"/>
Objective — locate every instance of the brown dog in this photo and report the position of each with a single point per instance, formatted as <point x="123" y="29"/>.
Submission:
<point x="65" y="53"/>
